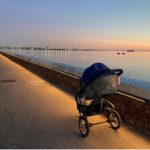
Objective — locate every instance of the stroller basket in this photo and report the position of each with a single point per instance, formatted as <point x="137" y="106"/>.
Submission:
<point x="93" y="108"/>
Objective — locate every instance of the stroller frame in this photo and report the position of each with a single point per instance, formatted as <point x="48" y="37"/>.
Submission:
<point x="99" y="105"/>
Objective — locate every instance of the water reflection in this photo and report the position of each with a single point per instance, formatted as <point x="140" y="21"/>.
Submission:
<point x="136" y="65"/>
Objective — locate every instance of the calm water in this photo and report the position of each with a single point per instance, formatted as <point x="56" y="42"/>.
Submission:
<point x="136" y="65"/>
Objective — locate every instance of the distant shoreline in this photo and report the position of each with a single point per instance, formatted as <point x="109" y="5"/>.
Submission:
<point x="69" y="49"/>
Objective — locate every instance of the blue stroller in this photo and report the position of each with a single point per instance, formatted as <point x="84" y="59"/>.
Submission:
<point x="97" y="83"/>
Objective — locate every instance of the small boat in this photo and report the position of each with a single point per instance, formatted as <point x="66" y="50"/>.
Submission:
<point x="130" y="50"/>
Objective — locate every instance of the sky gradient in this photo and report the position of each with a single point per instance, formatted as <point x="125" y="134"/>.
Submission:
<point x="100" y="24"/>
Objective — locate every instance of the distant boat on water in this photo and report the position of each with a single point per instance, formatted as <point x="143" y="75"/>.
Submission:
<point x="121" y="53"/>
<point x="130" y="50"/>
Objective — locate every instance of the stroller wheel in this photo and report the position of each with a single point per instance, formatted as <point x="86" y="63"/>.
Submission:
<point x="83" y="126"/>
<point x="114" y="120"/>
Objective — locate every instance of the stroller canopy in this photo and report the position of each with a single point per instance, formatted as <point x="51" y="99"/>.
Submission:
<point x="93" y="71"/>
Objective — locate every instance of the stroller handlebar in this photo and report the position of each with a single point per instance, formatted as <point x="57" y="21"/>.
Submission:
<point x="117" y="71"/>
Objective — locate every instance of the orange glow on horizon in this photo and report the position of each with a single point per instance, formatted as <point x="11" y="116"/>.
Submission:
<point x="115" y="44"/>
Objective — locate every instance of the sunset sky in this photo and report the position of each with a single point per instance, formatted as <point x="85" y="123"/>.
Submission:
<point x="100" y="24"/>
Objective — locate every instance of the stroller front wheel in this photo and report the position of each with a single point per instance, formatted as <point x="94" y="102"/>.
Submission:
<point x="83" y="126"/>
<point x="114" y="120"/>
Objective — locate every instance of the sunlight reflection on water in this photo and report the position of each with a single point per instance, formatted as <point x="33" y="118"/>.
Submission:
<point x="136" y="65"/>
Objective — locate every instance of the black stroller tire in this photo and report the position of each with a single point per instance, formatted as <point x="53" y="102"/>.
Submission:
<point x="83" y="126"/>
<point x="114" y="120"/>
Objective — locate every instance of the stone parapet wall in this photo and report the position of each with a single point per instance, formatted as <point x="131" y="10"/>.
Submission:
<point x="132" y="109"/>
<point x="135" y="111"/>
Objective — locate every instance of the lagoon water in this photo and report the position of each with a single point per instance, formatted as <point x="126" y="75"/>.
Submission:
<point x="136" y="65"/>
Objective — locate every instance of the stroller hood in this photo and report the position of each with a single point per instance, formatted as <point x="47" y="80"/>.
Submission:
<point x="92" y="71"/>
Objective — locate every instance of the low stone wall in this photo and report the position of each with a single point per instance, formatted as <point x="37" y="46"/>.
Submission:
<point x="132" y="109"/>
<point x="68" y="81"/>
<point x="135" y="111"/>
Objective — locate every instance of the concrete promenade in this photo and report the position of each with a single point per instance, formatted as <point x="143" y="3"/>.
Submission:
<point x="37" y="114"/>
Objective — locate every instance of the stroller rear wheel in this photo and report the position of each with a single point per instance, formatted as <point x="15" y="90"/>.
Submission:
<point x="114" y="120"/>
<point x="83" y="126"/>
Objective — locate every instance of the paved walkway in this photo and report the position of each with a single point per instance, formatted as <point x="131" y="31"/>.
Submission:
<point x="36" y="114"/>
